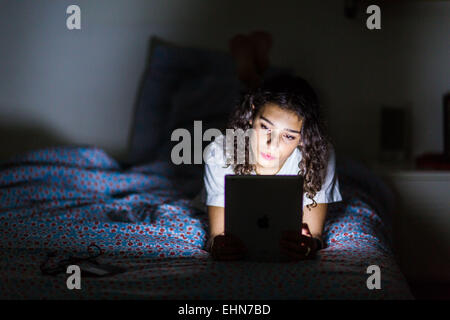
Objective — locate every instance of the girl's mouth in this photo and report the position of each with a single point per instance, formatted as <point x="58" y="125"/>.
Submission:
<point x="267" y="156"/>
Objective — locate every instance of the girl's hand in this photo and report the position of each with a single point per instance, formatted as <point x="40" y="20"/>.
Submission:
<point x="227" y="247"/>
<point x="298" y="246"/>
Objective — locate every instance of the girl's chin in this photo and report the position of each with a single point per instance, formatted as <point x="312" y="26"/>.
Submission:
<point x="268" y="164"/>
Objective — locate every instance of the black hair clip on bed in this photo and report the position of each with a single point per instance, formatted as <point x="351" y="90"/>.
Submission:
<point x="88" y="265"/>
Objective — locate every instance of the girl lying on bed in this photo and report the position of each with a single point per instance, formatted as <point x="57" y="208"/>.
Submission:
<point x="289" y="139"/>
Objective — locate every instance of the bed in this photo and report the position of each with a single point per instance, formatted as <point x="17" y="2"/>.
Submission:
<point x="62" y="199"/>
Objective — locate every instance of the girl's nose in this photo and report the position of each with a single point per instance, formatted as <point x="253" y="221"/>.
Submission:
<point x="273" y="139"/>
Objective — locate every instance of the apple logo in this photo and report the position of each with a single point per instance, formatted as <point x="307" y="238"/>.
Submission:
<point x="263" y="222"/>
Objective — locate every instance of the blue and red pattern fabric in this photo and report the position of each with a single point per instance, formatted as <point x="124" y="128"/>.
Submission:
<point x="63" y="199"/>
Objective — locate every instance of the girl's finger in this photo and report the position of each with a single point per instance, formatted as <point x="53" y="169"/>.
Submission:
<point x="293" y="247"/>
<point x="228" y="247"/>
<point x="305" y="229"/>
<point x="292" y="255"/>
<point x="227" y="243"/>
<point x="297" y="239"/>
<point x="233" y="241"/>
<point x="219" y="241"/>
<point x="291" y="236"/>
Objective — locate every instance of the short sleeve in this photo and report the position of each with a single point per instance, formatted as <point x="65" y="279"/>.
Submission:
<point x="214" y="175"/>
<point x="330" y="187"/>
<point x="214" y="185"/>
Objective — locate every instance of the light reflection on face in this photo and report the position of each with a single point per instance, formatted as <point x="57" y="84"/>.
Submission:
<point x="276" y="135"/>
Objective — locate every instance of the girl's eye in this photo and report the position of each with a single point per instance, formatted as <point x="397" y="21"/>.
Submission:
<point x="289" y="137"/>
<point x="263" y="126"/>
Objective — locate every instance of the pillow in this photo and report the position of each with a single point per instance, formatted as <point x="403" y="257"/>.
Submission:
<point x="181" y="85"/>
<point x="173" y="93"/>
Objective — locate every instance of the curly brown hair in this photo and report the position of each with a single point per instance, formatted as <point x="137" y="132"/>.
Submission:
<point x="293" y="94"/>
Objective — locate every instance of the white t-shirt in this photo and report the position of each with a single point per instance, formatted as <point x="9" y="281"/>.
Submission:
<point x="213" y="190"/>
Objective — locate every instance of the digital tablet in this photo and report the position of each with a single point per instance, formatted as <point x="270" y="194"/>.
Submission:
<point x="258" y="208"/>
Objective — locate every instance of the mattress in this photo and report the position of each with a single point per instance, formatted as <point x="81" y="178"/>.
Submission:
<point x="60" y="200"/>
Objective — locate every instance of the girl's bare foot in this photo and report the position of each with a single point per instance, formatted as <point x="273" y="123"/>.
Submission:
<point x="242" y="49"/>
<point x="262" y="43"/>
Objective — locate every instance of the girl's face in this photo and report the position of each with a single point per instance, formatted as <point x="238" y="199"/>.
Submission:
<point x="277" y="134"/>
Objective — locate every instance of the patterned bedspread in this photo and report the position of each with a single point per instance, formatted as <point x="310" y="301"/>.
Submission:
<point x="63" y="199"/>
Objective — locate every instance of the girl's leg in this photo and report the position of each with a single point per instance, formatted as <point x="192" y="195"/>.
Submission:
<point x="251" y="53"/>
<point x="241" y="48"/>
<point x="262" y="43"/>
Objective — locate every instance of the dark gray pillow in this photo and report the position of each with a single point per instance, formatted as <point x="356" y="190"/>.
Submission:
<point x="180" y="85"/>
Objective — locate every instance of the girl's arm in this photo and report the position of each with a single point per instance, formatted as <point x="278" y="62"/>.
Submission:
<point x="315" y="219"/>
<point x="216" y="217"/>
<point x="221" y="246"/>
<point x="293" y="243"/>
